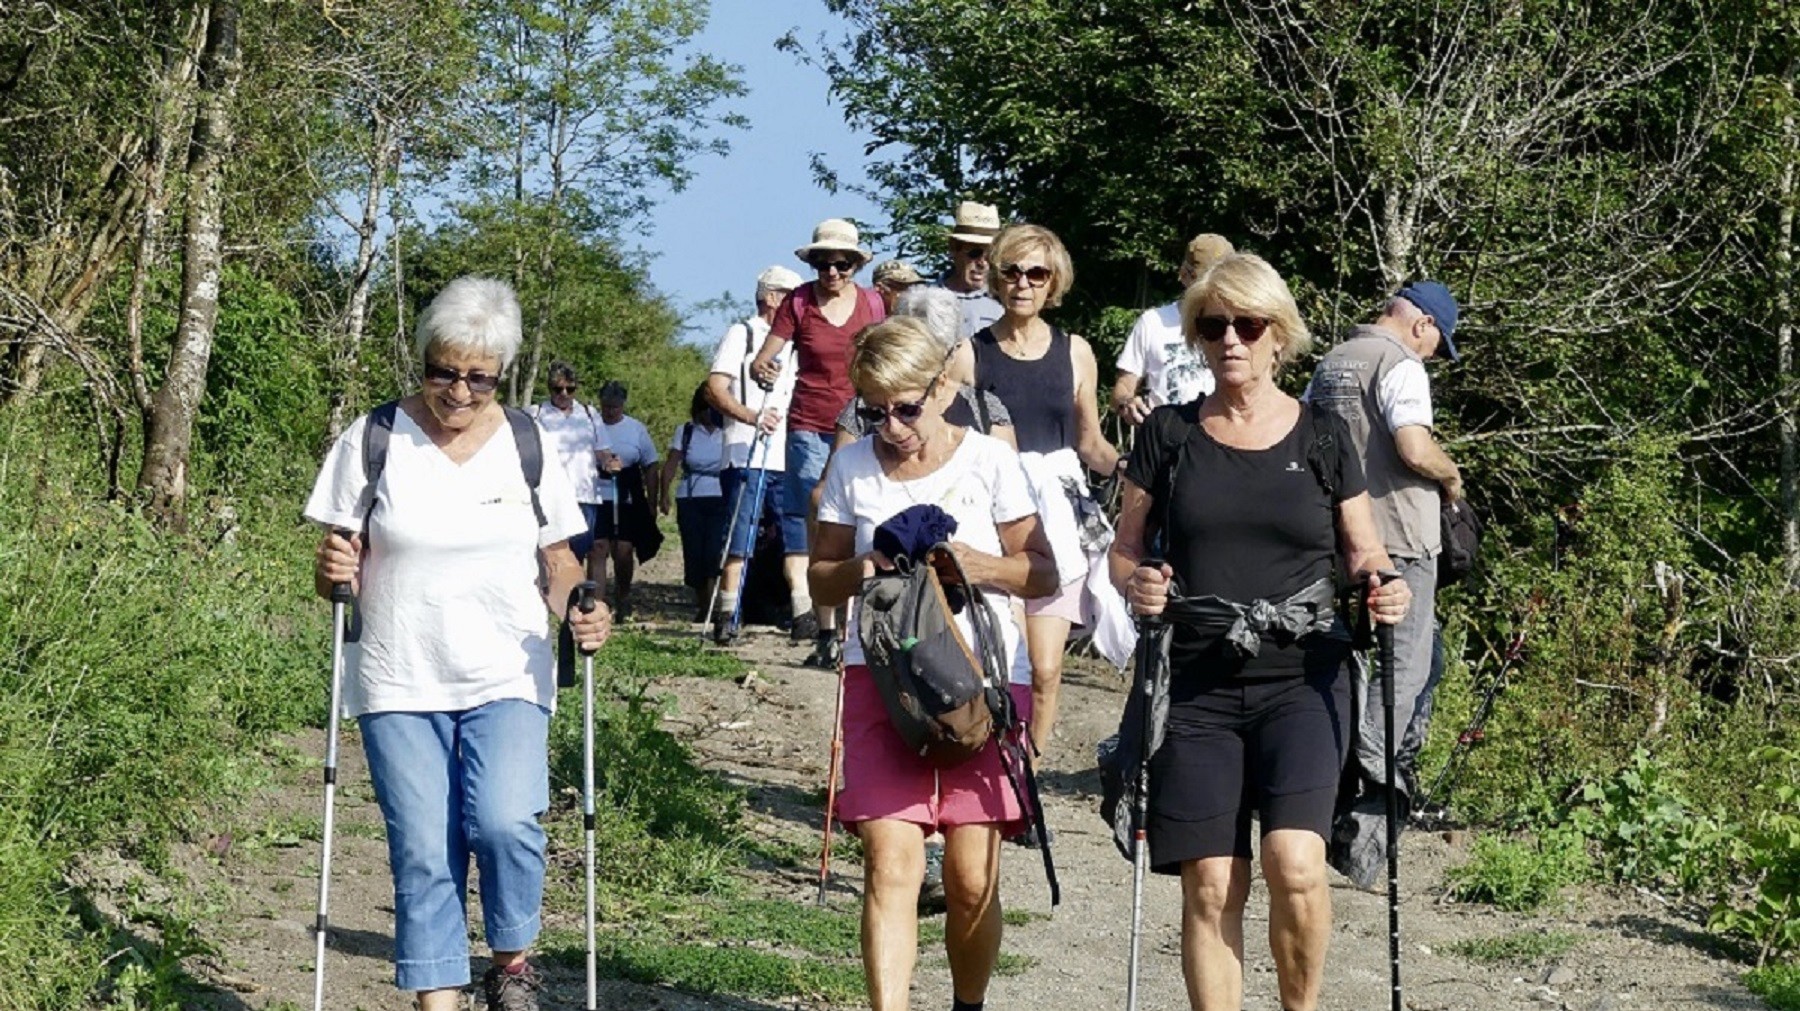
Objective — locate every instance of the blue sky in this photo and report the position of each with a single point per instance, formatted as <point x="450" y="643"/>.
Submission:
<point x="751" y="209"/>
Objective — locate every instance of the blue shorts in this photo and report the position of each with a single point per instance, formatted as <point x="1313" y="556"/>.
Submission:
<point x="583" y="542"/>
<point x="743" y="532"/>
<point x="807" y="453"/>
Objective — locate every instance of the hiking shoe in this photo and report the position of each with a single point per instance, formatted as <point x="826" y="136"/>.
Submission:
<point x="1029" y="838"/>
<point x="825" y="652"/>
<point x="805" y="626"/>
<point x="931" y="891"/>
<point x="622" y="611"/>
<point x="507" y="991"/>
<point x="724" y="630"/>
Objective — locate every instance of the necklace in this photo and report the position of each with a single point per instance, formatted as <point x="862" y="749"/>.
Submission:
<point x="1021" y="343"/>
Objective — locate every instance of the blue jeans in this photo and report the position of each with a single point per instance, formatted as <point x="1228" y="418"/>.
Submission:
<point x="806" y="456"/>
<point x="452" y="785"/>
<point x="761" y="488"/>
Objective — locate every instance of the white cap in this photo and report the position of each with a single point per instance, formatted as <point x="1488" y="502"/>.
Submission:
<point x="777" y="279"/>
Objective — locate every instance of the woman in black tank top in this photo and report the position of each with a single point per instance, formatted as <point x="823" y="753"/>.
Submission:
<point x="1046" y="378"/>
<point x="1250" y="494"/>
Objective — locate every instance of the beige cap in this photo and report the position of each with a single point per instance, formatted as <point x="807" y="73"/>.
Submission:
<point x="1203" y="251"/>
<point x="777" y="279"/>
<point x="834" y="235"/>
<point x="896" y="274"/>
<point x="975" y="223"/>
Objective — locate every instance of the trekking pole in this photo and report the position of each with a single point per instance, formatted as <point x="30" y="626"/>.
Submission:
<point x="737" y="609"/>
<point x="340" y="600"/>
<point x="837" y="766"/>
<point x="1384" y="646"/>
<point x="1151" y="631"/>
<point x="737" y="507"/>
<point x="585" y="602"/>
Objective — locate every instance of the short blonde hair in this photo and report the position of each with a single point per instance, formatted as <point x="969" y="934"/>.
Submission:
<point x="1018" y="240"/>
<point x="896" y="355"/>
<point x="1246" y="283"/>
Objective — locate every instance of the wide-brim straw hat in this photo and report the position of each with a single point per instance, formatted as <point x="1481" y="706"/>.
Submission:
<point x="976" y="224"/>
<point x="835" y="235"/>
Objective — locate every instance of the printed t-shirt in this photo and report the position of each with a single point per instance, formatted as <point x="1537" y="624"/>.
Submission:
<point x="1155" y="349"/>
<point x="822" y="385"/>
<point x="452" y="616"/>
<point x="982" y="485"/>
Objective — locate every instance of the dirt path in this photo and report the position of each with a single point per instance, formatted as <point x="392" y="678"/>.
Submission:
<point x="770" y="737"/>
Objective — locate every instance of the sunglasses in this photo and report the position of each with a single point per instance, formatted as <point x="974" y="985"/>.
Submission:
<point x="443" y="377"/>
<point x="841" y="266"/>
<point x="1248" y="328"/>
<point x="970" y="252"/>
<point x="907" y="413"/>
<point x="562" y="389"/>
<point x="1037" y="277"/>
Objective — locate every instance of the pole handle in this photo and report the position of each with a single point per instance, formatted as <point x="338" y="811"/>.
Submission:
<point x="585" y="602"/>
<point x="1149" y="622"/>
<point x="340" y="592"/>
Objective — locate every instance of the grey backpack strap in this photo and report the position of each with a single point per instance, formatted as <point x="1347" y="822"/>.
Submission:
<point x="531" y="456"/>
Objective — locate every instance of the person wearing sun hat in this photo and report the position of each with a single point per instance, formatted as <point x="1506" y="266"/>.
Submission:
<point x="821" y="319"/>
<point x="892" y="278"/>
<point x="1376" y="380"/>
<point x="972" y="232"/>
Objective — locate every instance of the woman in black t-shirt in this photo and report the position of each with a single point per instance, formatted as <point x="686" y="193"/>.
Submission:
<point x="1250" y="495"/>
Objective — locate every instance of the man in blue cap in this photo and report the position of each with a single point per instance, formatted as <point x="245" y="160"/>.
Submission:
<point x="1375" y="379"/>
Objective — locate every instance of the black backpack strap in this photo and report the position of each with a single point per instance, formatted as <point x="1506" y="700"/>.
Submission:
<point x="1321" y="455"/>
<point x="531" y="456"/>
<point x="374" y="453"/>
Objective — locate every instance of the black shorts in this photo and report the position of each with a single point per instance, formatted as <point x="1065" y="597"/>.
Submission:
<point x="1272" y="746"/>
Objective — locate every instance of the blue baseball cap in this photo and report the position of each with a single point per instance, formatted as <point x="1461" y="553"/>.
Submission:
<point x="1434" y="300"/>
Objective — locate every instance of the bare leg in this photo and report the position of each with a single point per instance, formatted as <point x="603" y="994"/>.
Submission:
<point x="972" y="924"/>
<point x="623" y="567"/>
<point x="893" y="867"/>
<point x="1293" y="863"/>
<point x="596" y="564"/>
<point x="1213" y="893"/>
<point x="731" y="577"/>
<point x="440" y="1000"/>
<point x="1045" y="638"/>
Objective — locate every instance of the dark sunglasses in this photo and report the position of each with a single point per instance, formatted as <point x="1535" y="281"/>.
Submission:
<point x="972" y="252"/>
<point x="1037" y="277"/>
<point x="562" y="389"/>
<point x="443" y="377"/>
<point x="1249" y="328"/>
<point x="907" y="414"/>
<point x="841" y="266"/>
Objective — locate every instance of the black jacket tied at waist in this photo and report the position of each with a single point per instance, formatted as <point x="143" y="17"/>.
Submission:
<point x="1245" y="626"/>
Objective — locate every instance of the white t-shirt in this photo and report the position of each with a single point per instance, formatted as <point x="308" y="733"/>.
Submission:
<point x="702" y="460"/>
<point x="452" y="617"/>
<point x="982" y="485"/>
<point x="737" y="349"/>
<point x="1156" y="351"/>
<point x="1404" y="396"/>
<point x="576" y="436"/>
<point x="632" y="443"/>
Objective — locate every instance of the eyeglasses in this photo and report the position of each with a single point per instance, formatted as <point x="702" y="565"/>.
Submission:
<point x="1249" y="329"/>
<point x="907" y="413"/>
<point x="443" y="377"/>
<point x="562" y="389"/>
<point x="1037" y="277"/>
<point x="841" y="266"/>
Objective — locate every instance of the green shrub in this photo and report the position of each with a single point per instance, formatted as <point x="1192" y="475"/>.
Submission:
<point x="1518" y="948"/>
<point x="1521" y="874"/>
<point x="1777" y="984"/>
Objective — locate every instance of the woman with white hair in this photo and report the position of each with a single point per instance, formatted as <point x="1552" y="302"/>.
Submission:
<point x="452" y="680"/>
<point x="940" y="311"/>
<point x="1236" y="508"/>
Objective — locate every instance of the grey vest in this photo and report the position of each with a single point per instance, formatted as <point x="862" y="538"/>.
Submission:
<point x="1406" y="503"/>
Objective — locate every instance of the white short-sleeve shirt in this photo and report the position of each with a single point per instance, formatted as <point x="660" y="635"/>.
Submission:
<point x="702" y="459"/>
<point x="737" y="349"/>
<point x="982" y="484"/>
<point x="632" y="443"/>
<point x="1156" y="351"/>
<point x="1404" y="395"/>
<point x="452" y="617"/>
<point x="576" y="435"/>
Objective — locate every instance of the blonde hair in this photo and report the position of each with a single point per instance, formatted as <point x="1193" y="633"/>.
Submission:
<point x="1203" y="251"/>
<point x="1016" y="241"/>
<point x="897" y="355"/>
<point x="1246" y="283"/>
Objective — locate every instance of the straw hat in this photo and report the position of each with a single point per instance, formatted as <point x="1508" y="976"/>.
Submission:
<point x="835" y="235"/>
<point x="896" y="274"/>
<point x="975" y="223"/>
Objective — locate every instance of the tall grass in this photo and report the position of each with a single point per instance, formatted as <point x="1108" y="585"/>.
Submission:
<point x="138" y="672"/>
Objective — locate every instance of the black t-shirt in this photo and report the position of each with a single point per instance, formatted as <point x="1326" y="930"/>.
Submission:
<point x="1247" y="524"/>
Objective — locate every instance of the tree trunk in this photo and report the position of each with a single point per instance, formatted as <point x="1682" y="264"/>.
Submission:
<point x="1784" y="339"/>
<point x="356" y="310"/>
<point x="168" y="436"/>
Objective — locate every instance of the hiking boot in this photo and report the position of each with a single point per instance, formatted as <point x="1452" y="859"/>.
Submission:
<point x="507" y="991"/>
<point x="622" y="611"/>
<point x="724" y="630"/>
<point x="804" y="627"/>
<point x="825" y="652"/>
<point x="932" y="901"/>
<point x="1029" y="838"/>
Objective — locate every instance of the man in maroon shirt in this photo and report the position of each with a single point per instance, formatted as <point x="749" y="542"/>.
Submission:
<point x="822" y="318"/>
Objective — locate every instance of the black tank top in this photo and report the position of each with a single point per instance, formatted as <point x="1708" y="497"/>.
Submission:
<point x="1039" y="394"/>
